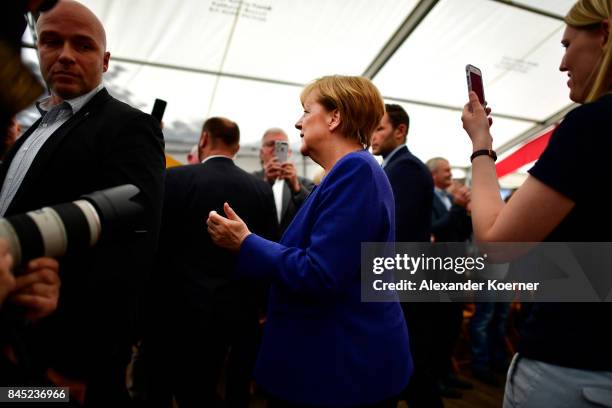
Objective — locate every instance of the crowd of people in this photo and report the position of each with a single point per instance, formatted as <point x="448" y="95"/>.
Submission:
<point x="233" y="278"/>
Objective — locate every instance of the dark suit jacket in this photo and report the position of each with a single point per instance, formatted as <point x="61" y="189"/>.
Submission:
<point x="413" y="192"/>
<point x="199" y="273"/>
<point x="291" y="202"/>
<point x="453" y="225"/>
<point x="198" y="308"/>
<point x="105" y="144"/>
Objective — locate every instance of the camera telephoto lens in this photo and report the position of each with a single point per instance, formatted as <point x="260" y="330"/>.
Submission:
<point x="74" y="226"/>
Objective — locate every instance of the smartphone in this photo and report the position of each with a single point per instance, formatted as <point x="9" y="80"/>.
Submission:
<point x="281" y="150"/>
<point x="474" y="81"/>
<point x="159" y="107"/>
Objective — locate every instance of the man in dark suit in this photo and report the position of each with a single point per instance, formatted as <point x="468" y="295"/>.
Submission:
<point x="290" y="190"/>
<point x="450" y="219"/>
<point x="201" y="309"/>
<point x="87" y="141"/>
<point x="413" y="192"/>
<point x="409" y="177"/>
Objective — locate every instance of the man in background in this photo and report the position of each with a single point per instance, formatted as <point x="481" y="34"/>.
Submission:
<point x="199" y="309"/>
<point x="290" y="190"/>
<point x="413" y="193"/>
<point x="409" y="177"/>
<point x="450" y="220"/>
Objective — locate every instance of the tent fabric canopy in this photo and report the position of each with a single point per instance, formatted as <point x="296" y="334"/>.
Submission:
<point x="248" y="60"/>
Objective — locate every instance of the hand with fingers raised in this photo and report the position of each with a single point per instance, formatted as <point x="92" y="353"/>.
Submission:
<point x="228" y="233"/>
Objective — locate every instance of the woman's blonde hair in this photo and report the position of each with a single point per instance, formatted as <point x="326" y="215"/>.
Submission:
<point x="358" y="101"/>
<point x="589" y="14"/>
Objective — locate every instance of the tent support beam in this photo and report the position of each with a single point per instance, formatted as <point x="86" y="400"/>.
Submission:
<point x="530" y="9"/>
<point x="295" y="84"/>
<point x="195" y="70"/>
<point x="460" y="109"/>
<point x="206" y="71"/>
<point x="418" y="14"/>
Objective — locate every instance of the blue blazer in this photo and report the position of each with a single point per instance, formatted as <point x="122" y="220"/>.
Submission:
<point x="322" y="345"/>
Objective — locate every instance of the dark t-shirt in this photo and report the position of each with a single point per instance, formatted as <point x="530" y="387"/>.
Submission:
<point x="576" y="164"/>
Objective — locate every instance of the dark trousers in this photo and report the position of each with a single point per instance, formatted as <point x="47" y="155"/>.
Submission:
<point x="186" y="367"/>
<point x="186" y="360"/>
<point x="240" y="364"/>
<point x="447" y="328"/>
<point x="422" y="390"/>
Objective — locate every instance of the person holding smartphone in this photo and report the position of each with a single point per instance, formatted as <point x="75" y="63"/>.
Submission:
<point x="564" y="358"/>
<point x="290" y="190"/>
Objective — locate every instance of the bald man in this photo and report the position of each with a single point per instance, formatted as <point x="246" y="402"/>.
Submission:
<point x="202" y="312"/>
<point x="86" y="141"/>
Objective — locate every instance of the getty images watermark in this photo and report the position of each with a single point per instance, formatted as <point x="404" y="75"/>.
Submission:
<point x="529" y="272"/>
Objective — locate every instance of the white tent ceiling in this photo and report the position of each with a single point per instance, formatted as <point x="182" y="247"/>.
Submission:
<point x="248" y="59"/>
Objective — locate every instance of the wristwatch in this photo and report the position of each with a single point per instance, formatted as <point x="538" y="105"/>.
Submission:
<point x="484" y="152"/>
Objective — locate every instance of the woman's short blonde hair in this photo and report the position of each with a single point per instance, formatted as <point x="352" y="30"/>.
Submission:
<point x="589" y="14"/>
<point x="358" y="101"/>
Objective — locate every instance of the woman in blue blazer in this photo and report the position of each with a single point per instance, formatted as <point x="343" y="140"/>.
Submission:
<point x="322" y="345"/>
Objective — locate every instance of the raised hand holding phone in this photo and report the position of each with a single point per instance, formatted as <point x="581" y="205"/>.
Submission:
<point x="287" y="169"/>
<point x="474" y="81"/>
<point x="476" y="122"/>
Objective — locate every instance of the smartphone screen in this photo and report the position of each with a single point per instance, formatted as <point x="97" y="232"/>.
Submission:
<point x="281" y="150"/>
<point x="474" y="77"/>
